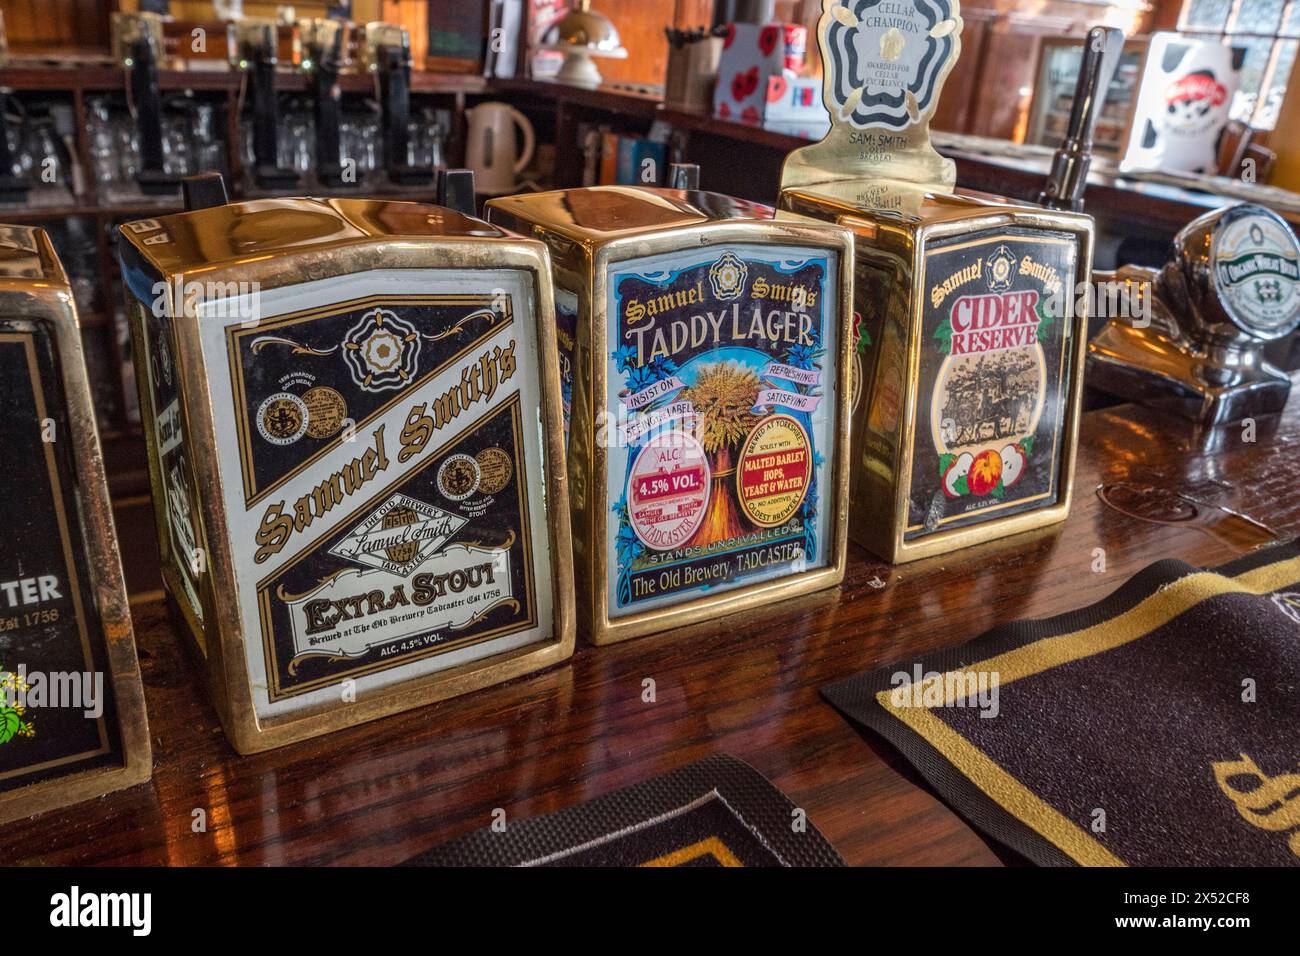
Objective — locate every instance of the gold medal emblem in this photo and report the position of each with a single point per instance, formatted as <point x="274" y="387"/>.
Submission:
<point x="282" y="419"/>
<point x="326" y="411"/>
<point x="458" y="477"/>
<point x="495" y="470"/>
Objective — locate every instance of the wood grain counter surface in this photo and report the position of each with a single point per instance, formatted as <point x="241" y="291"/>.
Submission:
<point x="382" y="792"/>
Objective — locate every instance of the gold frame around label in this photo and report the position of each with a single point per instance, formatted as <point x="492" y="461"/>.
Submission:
<point x="46" y="300"/>
<point x="227" y="673"/>
<point x="583" y="258"/>
<point x="753" y="597"/>
<point x="879" y="522"/>
<point x="1063" y="361"/>
<point x="74" y="584"/>
<point x="896" y="203"/>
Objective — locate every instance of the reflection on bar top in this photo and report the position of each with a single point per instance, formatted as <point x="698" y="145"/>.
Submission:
<point x="601" y="213"/>
<point x="259" y="228"/>
<point x="26" y="254"/>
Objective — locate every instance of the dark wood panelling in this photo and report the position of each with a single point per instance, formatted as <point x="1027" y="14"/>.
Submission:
<point x="961" y="94"/>
<point x="50" y="24"/>
<point x="641" y="26"/>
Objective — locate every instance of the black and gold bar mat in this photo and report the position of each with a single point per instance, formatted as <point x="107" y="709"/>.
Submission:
<point x="717" y="812"/>
<point x="1158" y="727"/>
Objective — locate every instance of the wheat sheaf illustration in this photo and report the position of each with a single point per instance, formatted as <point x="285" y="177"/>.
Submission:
<point x="723" y="395"/>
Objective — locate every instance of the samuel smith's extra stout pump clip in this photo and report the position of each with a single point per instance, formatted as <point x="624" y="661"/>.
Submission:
<point x="353" y="421"/>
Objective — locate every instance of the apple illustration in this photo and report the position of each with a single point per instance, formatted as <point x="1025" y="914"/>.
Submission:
<point x="959" y="469"/>
<point x="985" y="472"/>
<point x="1014" y="462"/>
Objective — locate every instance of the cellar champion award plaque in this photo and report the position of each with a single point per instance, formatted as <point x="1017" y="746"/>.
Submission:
<point x="969" y="332"/>
<point x="702" y="355"/>
<point x="353" y="419"/>
<point x="72" y="716"/>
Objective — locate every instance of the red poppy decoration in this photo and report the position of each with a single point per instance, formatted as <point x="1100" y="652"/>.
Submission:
<point x="776" y="87"/>
<point x="767" y="39"/>
<point x="724" y="110"/>
<point x="744" y="84"/>
<point x="750" y="115"/>
<point x="731" y="35"/>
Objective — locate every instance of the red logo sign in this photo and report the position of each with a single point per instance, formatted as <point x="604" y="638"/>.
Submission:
<point x="990" y="323"/>
<point x="1198" y="87"/>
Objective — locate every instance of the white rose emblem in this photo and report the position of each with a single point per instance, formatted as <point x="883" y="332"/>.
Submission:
<point x="382" y="351"/>
<point x="727" y="276"/>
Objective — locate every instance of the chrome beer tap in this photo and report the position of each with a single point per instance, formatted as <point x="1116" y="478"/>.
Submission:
<point x="139" y="43"/>
<point x="1069" y="174"/>
<point x="388" y="54"/>
<point x="1194" y="339"/>
<point x="256" y="40"/>
<point x="326" y="43"/>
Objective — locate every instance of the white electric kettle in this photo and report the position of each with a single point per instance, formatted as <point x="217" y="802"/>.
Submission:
<point x="492" y="150"/>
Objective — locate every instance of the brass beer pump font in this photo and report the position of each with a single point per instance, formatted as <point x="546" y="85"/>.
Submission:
<point x="967" y="344"/>
<point x="1230" y="287"/>
<point x="352" y="413"/>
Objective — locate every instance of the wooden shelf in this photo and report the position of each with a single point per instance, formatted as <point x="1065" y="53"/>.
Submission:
<point x="607" y="99"/>
<point x="12" y="212"/>
<point x="98" y="78"/>
<point x="755" y="135"/>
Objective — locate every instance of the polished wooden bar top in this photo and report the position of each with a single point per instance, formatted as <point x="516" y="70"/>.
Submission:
<point x="382" y="792"/>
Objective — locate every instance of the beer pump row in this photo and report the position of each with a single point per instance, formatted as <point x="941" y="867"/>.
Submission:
<point x="322" y="48"/>
<point x="399" y="452"/>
